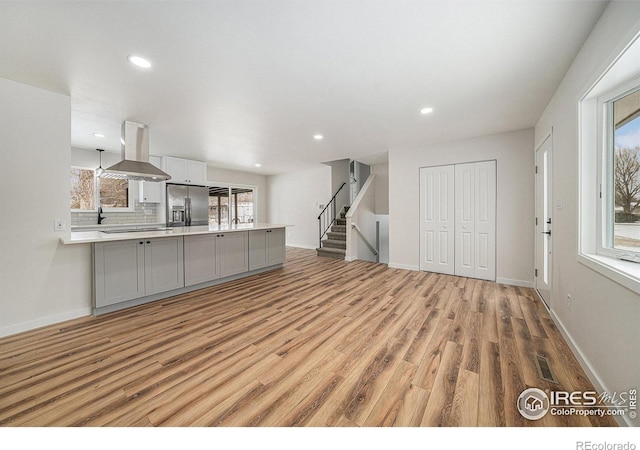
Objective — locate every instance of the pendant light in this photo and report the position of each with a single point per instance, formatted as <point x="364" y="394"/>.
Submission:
<point x="100" y="170"/>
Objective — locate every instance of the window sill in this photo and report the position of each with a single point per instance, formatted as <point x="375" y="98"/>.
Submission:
<point x="624" y="273"/>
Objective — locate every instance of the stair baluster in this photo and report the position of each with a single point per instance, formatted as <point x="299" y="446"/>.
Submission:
<point x="334" y="228"/>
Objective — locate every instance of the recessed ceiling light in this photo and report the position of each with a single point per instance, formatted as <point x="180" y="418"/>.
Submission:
<point x="318" y="137"/>
<point x="426" y="110"/>
<point x="258" y="165"/>
<point x="139" y="61"/>
<point x="100" y="135"/>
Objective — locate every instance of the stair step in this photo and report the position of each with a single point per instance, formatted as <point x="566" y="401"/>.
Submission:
<point x="339" y="228"/>
<point x="330" y="252"/>
<point x="330" y="243"/>
<point x="337" y="236"/>
<point x="341" y="222"/>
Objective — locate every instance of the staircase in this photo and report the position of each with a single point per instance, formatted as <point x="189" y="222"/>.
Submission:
<point x="335" y="244"/>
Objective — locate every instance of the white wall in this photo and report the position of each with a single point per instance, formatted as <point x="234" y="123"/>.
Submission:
<point x="603" y="322"/>
<point x="294" y="199"/>
<point x="237" y="178"/>
<point x="381" y="172"/>
<point x="339" y="175"/>
<point x="41" y="280"/>
<point x="362" y="213"/>
<point x="513" y="152"/>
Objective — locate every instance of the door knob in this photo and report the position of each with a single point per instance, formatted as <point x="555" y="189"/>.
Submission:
<point x="547" y="232"/>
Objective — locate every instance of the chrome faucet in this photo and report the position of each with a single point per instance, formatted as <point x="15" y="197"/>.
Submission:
<point x="100" y="216"/>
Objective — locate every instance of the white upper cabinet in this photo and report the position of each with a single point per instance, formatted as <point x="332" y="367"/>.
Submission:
<point x="185" y="171"/>
<point x="151" y="191"/>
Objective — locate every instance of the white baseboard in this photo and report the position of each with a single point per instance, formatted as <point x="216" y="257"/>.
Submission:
<point x="308" y="247"/>
<point x="521" y="283"/>
<point x="44" y="321"/>
<point x="598" y="384"/>
<point x="404" y="267"/>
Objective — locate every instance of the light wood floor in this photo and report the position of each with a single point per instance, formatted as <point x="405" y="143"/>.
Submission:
<point x="319" y="343"/>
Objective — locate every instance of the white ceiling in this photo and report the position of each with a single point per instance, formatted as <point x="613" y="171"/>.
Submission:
<point x="243" y="82"/>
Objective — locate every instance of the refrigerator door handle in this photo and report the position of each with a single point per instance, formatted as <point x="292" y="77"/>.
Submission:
<point x="187" y="211"/>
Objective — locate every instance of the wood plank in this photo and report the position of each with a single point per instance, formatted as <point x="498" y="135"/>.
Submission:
<point x="464" y="411"/>
<point x="491" y="402"/>
<point x="391" y="407"/>
<point x="512" y="377"/>
<point x="471" y="344"/>
<point x="442" y="394"/>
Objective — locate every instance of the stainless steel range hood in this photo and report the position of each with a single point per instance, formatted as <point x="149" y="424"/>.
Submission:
<point x="135" y="156"/>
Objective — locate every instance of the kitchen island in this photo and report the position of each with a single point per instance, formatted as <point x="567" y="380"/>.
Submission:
<point x="132" y="266"/>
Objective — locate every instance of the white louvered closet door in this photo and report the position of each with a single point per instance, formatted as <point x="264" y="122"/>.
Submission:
<point x="437" y="219"/>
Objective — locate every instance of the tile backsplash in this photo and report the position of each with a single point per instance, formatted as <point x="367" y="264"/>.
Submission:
<point x="145" y="213"/>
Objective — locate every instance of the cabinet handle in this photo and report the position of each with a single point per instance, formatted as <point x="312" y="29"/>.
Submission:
<point x="148" y="242"/>
<point x="141" y="242"/>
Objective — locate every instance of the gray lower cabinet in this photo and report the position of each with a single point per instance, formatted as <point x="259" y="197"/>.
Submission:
<point x="233" y="249"/>
<point x="211" y="256"/>
<point x="266" y="248"/>
<point x="200" y="259"/>
<point x="132" y="269"/>
<point x="126" y="270"/>
<point x="163" y="264"/>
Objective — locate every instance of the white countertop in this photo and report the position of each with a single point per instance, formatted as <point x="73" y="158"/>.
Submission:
<point x="87" y="237"/>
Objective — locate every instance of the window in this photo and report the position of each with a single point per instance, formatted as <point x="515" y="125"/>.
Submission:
<point x="112" y="194"/>
<point x="219" y="205"/>
<point x="241" y="205"/>
<point x="231" y="204"/>
<point x="624" y="128"/>
<point x="609" y="171"/>
<point x="83" y="193"/>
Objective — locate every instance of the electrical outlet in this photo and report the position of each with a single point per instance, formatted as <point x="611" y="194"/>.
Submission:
<point x="59" y="225"/>
<point x="569" y="302"/>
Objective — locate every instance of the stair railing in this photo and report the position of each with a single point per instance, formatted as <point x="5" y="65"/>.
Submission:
<point x="373" y="249"/>
<point x="328" y="216"/>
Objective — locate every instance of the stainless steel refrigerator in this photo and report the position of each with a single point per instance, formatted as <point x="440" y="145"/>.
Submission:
<point x="187" y="205"/>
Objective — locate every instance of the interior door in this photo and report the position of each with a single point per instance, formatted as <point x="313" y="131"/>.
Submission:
<point x="437" y="219"/>
<point x="543" y="220"/>
<point x="475" y="218"/>
<point x="485" y="220"/>
<point x="465" y="220"/>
